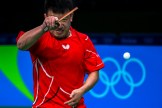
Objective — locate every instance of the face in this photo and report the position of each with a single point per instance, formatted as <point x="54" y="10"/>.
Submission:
<point x="63" y="30"/>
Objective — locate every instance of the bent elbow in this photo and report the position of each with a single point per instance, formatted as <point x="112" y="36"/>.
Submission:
<point x="20" y="46"/>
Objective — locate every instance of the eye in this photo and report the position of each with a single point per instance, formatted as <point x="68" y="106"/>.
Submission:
<point x="64" y="20"/>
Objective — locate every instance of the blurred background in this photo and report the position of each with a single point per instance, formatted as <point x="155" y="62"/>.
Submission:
<point x="115" y="27"/>
<point x="94" y="16"/>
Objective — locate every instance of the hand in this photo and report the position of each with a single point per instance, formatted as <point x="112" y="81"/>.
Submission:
<point x="75" y="97"/>
<point x="50" y="23"/>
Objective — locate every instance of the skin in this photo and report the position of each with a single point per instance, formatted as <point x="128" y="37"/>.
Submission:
<point x="30" y="37"/>
<point x="78" y="93"/>
<point x="63" y="30"/>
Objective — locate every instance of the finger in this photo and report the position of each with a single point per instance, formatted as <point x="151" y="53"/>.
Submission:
<point x="67" y="102"/>
<point x="72" y="104"/>
<point x="56" y="23"/>
<point x="52" y="21"/>
<point x="47" y="22"/>
<point x="56" y="18"/>
<point x="53" y="24"/>
<point x="72" y="94"/>
<point x="71" y="100"/>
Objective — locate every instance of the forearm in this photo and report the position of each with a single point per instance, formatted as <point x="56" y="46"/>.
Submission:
<point x="90" y="81"/>
<point x="78" y="93"/>
<point x="29" y="38"/>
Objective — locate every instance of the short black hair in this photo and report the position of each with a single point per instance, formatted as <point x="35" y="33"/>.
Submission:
<point x="58" y="6"/>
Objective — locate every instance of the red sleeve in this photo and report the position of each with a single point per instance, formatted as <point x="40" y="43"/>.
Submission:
<point x="92" y="60"/>
<point x="19" y="35"/>
<point x="38" y="47"/>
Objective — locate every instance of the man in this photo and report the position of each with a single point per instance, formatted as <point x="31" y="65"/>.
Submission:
<point x="61" y="57"/>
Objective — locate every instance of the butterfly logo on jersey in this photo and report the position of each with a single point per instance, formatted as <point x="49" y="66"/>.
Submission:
<point x="66" y="47"/>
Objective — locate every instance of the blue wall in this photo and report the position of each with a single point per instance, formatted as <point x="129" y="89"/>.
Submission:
<point x="134" y="83"/>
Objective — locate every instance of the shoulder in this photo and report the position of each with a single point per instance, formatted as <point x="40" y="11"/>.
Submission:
<point x="82" y="36"/>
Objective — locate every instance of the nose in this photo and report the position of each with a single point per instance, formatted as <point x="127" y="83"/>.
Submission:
<point x="60" y="26"/>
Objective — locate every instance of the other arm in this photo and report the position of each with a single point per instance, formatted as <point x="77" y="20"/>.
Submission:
<point x="78" y="93"/>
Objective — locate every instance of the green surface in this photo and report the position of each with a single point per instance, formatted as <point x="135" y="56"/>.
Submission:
<point x="15" y="107"/>
<point x="8" y="66"/>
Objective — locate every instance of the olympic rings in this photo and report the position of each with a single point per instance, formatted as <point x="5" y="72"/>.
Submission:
<point x="116" y="77"/>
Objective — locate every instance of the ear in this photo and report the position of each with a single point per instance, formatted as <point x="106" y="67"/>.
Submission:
<point x="45" y="15"/>
<point x="71" y="17"/>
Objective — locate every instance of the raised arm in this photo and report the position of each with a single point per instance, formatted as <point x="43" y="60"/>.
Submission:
<point x="78" y="93"/>
<point x="31" y="36"/>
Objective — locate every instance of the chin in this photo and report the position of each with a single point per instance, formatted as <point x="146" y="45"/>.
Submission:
<point x="60" y="37"/>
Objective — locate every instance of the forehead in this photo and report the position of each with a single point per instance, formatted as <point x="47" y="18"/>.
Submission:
<point x="51" y="13"/>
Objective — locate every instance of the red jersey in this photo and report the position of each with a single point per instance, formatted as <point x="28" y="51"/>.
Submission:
<point x="59" y="67"/>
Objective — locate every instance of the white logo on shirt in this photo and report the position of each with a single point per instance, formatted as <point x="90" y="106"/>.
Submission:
<point x="66" y="46"/>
